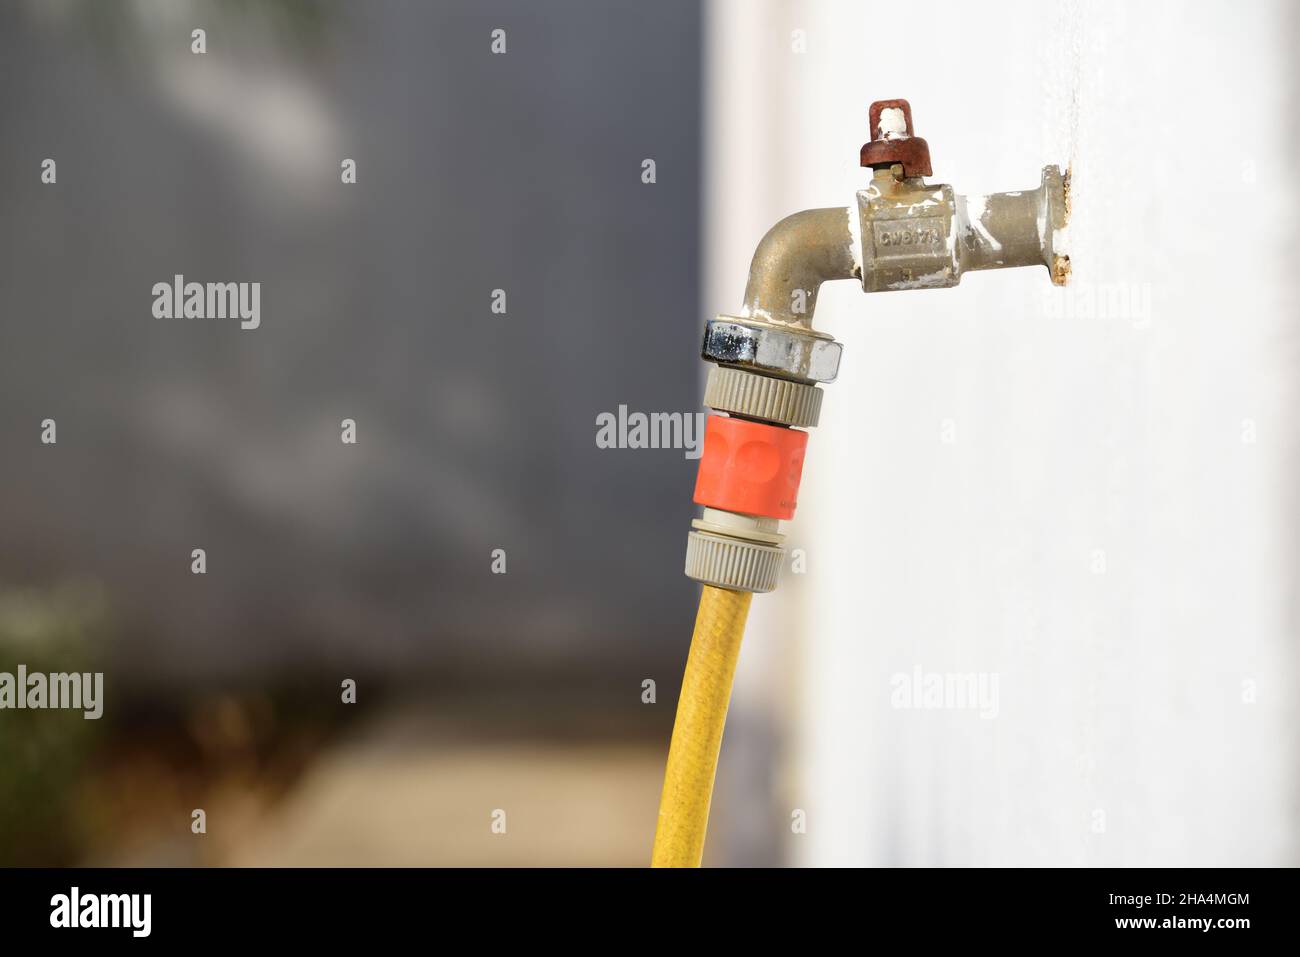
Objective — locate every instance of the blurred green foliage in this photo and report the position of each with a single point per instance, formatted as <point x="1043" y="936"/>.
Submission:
<point x="45" y="753"/>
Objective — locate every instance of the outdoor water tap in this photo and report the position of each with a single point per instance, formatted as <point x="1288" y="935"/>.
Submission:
<point x="901" y="233"/>
<point x="916" y="236"/>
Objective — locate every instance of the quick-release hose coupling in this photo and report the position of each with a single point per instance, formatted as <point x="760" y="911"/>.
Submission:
<point x="752" y="461"/>
<point x="901" y="233"/>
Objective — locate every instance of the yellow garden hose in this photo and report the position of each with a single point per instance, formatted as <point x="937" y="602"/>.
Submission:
<point x="697" y="732"/>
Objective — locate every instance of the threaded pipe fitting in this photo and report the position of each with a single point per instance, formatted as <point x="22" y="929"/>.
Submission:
<point x="733" y="562"/>
<point x="755" y="396"/>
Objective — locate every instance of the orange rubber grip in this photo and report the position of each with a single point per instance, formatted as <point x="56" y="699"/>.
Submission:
<point x="750" y="467"/>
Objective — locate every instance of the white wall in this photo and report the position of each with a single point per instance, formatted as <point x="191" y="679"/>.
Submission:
<point x="1160" y="435"/>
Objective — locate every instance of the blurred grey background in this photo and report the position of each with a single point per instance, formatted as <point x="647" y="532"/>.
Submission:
<point x="475" y="431"/>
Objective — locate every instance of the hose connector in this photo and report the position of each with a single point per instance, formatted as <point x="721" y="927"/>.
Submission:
<point x="748" y="481"/>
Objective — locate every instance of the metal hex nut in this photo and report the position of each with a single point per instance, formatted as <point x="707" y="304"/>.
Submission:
<point x="788" y="353"/>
